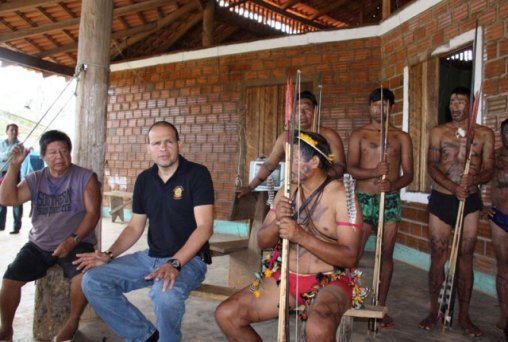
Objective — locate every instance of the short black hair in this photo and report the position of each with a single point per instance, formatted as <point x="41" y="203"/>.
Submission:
<point x="166" y="124"/>
<point x="503" y="124"/>
<point x="375" y="96"/>
<point x="461" y="91"/>
<point x="11" y="125"/>
<point x="308" y="95"/>
<point x="309" y="151"/>
<point x="52" y="136"/>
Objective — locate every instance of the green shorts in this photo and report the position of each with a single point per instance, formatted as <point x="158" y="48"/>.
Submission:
<point x="370" y="207"/>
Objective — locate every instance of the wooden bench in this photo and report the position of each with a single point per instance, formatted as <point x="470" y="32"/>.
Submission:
<point x="345" y="330"/>
<point x="118" y="200"/>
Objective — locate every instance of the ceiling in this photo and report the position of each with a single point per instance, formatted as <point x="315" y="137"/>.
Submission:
<point x="44" y="34"/>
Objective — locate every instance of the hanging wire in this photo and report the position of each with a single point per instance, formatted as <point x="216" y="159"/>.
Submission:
<point x="79" y="69"/>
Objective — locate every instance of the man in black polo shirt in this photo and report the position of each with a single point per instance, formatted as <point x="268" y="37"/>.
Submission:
<point x="176" y="197"/>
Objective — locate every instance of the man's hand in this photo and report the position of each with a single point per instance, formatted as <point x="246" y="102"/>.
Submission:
<point x="382" y="168"/>
<point x="284" y="208"/>
<point x="243" y="191"/>
<point x="65" y="247"/>
<point x="384" y="185"/>
<point x="462" y="189"/>
<point x="289" y="229"/>
<point x="166" y="272"/>
<point x="18" y="154"/>
<point x="86" y="261"/>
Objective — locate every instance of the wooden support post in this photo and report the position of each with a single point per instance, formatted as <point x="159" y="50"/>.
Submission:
<point x="387" y="8"/>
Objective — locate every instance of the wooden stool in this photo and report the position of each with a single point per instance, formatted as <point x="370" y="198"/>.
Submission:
<point x="52" y="303"/>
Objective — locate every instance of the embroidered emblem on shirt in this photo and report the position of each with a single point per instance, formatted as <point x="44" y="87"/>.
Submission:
<point x="178" y="192"/>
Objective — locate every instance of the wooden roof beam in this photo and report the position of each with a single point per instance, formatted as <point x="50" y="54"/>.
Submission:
<point x="333" y="5"/>
<point x="160" y="24"/>
<point x="75" y="21"/>
<point x="299" y="18"/>
<point x="20" y="5"/>
<point x="35" y="63"/>
<point x="194" y="20"/>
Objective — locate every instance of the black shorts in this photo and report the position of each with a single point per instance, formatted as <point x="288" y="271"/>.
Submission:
<point x="445" y="206"/>
<point x="31" y="262"/>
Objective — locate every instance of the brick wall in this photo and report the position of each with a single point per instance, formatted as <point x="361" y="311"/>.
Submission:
<point x="204" y="99"/>
<point x="413" y="42"/>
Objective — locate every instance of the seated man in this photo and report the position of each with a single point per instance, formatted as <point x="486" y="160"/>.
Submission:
<point x="66" y="204"/>
<point x="324" y="244"/>
<point x="175" y="196"/>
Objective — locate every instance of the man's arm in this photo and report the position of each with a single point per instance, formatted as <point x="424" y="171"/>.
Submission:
<point x="487" y="170"/>
<point x="337" y="149"/>
<point x="128" y="237"/>
<point x="92" y="200"/>
<point x="268" y="234"/>
<point x="204" y="230"/>
<point x="270" y="164"/>
<point x="406" y="155"/>
<point x="11" y="193"/>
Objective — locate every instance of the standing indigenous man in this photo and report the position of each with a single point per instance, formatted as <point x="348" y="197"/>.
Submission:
<point x="445" y="162"/>
<point x="66" y="205"/>
<point x="306" y="105"/>
<point x="176" y="197"/>
<point x="365" y="166"/>
<point x="323" y="245"/>
<point x="499" y="223"/>
<point x="5" y="149"/>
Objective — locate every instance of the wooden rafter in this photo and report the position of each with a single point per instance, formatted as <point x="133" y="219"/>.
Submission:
<point x="35" y="63"/>
<point x="332" y="6"/>
<point x="189" y="24"/>
<point x="160" y="24"/>
<point x="22" y="5"/>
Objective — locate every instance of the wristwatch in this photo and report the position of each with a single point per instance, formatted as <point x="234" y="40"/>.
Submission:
<point x="175" y="263"/>
<point x="76" y="238"/>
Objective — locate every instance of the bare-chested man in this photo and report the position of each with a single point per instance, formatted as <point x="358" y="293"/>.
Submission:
<point x="365" y="165"/>
<point x="323" y="246"/>
<point x="445" y="163"/>
<point x="499" y="223"/>
<point x="307" y="105"/>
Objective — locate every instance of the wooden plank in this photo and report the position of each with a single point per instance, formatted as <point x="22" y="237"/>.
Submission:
<point x="214" y="292"/>
<point x="369" y="311"/>
<point x="226" y="247"/>
<point x="126" y="195"/>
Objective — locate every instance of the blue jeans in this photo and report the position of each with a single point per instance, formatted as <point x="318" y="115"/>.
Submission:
<point x="104" y="287"/>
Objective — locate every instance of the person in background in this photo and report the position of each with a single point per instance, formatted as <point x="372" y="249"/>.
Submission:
<point x="366" y="166"/>
<point x="307" y="106"/>
<point x="446" y="164"/>
<point x="498" y="216"/>
<point x="6" y="147"/>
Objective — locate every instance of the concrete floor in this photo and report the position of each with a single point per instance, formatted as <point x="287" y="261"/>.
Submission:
<point x="407" y="304"/>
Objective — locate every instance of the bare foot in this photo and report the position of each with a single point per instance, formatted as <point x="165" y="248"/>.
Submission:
<point x="67" y="332"/>
<point x="428" y="322"/>
<point x="470" y="329"/>
<point x="386" y="322"/>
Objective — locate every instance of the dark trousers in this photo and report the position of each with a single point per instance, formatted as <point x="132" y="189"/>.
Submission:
<point x="17" y="211"/>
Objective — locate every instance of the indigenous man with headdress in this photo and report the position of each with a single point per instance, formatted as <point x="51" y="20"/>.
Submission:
<point x="446" y="163"/>
<point x="365" y="165"/>
<point x="307" y="104"/>
<point x="498" y="215"/>
<point x="324" y="245"/>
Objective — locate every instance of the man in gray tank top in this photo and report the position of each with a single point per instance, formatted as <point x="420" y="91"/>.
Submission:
<point x="66" y="202"/>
